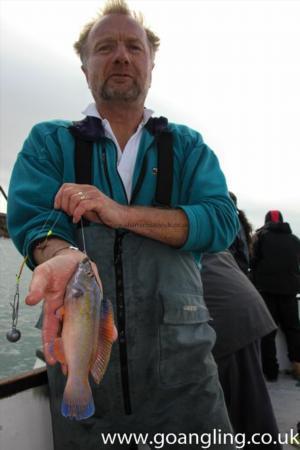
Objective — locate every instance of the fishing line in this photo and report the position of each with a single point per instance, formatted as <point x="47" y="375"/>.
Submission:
<point x="50" y="232"/>
<point x="83" y="237"/>
<point x="13" y="335"/>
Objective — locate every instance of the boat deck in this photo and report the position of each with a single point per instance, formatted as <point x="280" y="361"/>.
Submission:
<point x="285" y="397"/>
<point x="285" y="392"/>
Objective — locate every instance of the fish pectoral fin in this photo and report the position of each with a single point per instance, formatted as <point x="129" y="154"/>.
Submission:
<point x="60" y="312"/>
<point x="58" y="350"/>
<point x="107" y="335"/>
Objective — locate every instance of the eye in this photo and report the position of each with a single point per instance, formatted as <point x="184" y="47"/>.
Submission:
<point x="135" y="48"/>
<point x="104" y="48"/>
<point x="77" y="292"/>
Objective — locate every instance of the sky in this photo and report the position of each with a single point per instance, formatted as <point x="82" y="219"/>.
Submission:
<point x="229" y="69"/>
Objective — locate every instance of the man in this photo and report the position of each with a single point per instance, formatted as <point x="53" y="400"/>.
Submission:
<point x="161" y="377"/>
<point x="276" y="274"/>
<point x="241" y="246"/>
<point x="240" y="319"/>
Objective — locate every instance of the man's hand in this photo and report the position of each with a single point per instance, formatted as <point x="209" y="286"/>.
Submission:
<point x="84" y="200"/>
<point x="49" y="282"/>
<point x="169" y="226"/>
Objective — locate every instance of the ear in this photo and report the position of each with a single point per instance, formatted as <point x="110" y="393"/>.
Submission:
<point x="84" y="70"/>
<point x="150" y="78"/>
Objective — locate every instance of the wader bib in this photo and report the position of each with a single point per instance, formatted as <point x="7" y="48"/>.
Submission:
<point x="161" y="377"/>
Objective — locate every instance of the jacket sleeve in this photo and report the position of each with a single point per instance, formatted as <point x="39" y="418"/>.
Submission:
<point x="212" y="216"/>
<point x="36" y="178"/>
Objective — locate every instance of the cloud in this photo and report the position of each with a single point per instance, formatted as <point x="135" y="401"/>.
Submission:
<point x="225" y="68"/>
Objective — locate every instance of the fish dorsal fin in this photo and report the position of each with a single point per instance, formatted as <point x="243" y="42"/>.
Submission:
<point x="107" y="335"/>
<point x="58" y="350"/>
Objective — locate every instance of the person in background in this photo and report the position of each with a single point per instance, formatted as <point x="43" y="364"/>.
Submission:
<point x="240" y="319"/>
<point x="275" y="271"/>
<point x="241" y="247"/>
<point x="161" y="377"/>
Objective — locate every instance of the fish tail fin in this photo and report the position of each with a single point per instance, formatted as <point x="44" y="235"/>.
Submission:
<point x="77" y="400"/>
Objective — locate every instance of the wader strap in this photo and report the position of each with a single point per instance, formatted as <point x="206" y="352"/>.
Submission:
<point x="83" y="161"/>
<point x="85" y="133"/>
<point x="83" y="153"/>
<point x="164" y="183"/>
<point x="158" y="126"/>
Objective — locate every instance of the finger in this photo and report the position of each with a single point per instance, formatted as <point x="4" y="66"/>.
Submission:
<point x="64" y="369"/>
<point x="61" y="193"/>
<point x="90" y="215"/>
<point x="57" y="199"/>
<point x="38" y="285"/>
<point x="72" y="196"/>
<point x="51" y="326"/>
<point x="60" y="313"/>
<point x="82" y="207"/>
<point x="65" y="198"/>
<point x="75" y="200"/>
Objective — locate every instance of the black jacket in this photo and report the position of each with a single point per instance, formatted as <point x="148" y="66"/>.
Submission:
<point x="275" y="266"/>
<point x="240" y="251"/>
<point x="239" y="314"/>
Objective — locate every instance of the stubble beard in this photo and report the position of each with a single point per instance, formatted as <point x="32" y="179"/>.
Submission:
<point x="113" y="93"/>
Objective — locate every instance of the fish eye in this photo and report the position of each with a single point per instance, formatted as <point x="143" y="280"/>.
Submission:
<point x="77" y="292"/>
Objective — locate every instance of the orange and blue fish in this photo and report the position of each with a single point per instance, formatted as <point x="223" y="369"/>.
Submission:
<point x="84" y="348"/>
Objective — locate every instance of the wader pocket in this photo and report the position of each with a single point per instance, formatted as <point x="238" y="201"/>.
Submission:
<point x="186" y="340"/>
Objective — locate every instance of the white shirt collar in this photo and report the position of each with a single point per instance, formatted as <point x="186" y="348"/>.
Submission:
<point x="91" y="110"/>
<point x="127" y="157"/>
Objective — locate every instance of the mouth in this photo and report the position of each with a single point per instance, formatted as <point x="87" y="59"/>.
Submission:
<point x="120" y="75"/>
<point x="120" y="79"/>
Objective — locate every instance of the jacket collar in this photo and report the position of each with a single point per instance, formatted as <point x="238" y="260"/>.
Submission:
<point x="91" y="129"/>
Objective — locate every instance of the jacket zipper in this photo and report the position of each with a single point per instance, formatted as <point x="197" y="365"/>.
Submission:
<point x="120" y="303"/>
<point x="104" y="160"/>
<point x="140" y="180"/>
<point x="121" y="321"/>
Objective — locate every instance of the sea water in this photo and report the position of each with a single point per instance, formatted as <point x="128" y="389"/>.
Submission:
<point x="18" y="357"/>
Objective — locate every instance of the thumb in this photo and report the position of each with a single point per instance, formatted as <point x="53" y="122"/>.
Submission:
<point x="40" y="281"/>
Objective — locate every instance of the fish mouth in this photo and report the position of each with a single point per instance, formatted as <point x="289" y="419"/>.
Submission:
<point x="86" y="266"/>
<point x="86" y="260"/>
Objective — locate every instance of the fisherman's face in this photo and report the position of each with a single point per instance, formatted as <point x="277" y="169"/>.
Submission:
<point x="119" y="62"/>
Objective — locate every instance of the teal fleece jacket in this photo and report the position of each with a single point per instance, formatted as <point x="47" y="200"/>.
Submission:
<point x="46" y="161"/>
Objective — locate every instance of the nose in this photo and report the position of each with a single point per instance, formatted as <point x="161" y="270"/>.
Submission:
<point x="121" y="54"/>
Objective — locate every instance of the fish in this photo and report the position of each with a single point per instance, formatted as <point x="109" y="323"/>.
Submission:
<point x="84" y="347"/>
